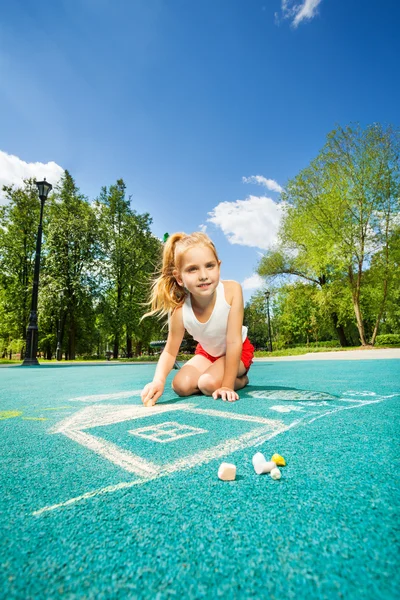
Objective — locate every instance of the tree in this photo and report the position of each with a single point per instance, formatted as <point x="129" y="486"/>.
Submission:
<point x="130" y="254"/>
<point x="70" y="262"/>
<point x="255" y="318"/>
<point x="292" y="258"/>
<point x="19" y="219"/>
<point x="342" y="209"/>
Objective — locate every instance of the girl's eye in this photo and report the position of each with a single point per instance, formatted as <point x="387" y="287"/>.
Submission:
<point x="192" y="269"/>
<point x="211" y="266"/>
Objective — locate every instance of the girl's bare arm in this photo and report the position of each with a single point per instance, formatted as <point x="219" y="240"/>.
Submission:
<point x="234" y="337"/>
<point x="153" y="391"/>
<point x="168" y="356"/>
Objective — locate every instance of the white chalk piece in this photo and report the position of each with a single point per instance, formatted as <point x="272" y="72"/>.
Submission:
<point x="227" y="472"/>
<point x="275" y="473"/>
<point x="261" y="465"/>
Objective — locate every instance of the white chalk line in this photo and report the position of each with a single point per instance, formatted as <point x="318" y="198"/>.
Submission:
<point x="106" y="490"/>
<point x="122" y="458"/>
<point x="331" y="412"/>
<point x="234" y="416"/>
<point x="109" y="414"/>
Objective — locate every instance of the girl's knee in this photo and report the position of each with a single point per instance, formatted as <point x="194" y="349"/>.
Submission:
<point x="207" y="384"/>
<point x="183" y="386"/>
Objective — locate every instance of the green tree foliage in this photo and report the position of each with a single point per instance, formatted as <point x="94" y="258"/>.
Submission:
<point x="255" y="317"/>
<point x="130" y="254"/>
<point x="339" y="217"/>
<point x="70" y="260"/>
<point x="298" y="315"/>
<point x="19" y="219"/>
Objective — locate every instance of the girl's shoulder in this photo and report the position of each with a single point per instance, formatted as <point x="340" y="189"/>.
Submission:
<point x="231" y="288"/>
<point x="175" y="315"/>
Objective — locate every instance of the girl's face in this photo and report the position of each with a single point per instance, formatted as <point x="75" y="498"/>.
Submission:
<point x="199" y="272"/>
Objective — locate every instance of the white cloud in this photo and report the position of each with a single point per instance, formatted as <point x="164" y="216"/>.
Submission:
<point x="203" y="228"/>
<point x="306" y="10"/>
<point x="252" y="222"/>
<point x="270" y="184"/>
<point x="253" y="282"/>
<point x="13" y="170"/>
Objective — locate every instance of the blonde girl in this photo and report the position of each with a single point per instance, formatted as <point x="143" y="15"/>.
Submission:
<point x="190" y="292"/>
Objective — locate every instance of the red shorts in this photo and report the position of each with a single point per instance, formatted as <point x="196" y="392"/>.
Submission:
<point x="246" y="357"/>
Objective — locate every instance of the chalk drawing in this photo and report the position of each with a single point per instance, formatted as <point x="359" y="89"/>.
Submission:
<point x="9" y="414"/>
<point x="287" y="408"/>
<point x="166" y="432"/>
<point x="292" y="395"/>
<point x="309" y="407"/>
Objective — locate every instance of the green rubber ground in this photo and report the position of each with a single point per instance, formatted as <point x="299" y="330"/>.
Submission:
<point x="102" y="498"/>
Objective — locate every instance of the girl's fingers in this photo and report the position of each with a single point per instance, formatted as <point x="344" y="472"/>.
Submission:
<point x="152" y="399"/>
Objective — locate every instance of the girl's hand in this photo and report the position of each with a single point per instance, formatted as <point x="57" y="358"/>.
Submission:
<point x="151" y="393"/>
<point x="226" y="394"/>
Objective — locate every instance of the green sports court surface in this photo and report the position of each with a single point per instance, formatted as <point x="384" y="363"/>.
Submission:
<point x="103" y="498"/>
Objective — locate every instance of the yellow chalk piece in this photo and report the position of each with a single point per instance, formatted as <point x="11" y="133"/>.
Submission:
<point x="9" y="414"/>
<point x="34" y="419"/>
<point x="279" y="460"/>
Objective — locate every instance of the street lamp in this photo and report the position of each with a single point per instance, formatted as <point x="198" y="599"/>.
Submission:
<point x="267" y="295"/>
<point x="32" y="332"/>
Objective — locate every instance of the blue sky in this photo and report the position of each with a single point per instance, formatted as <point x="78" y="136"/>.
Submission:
<point x="184" y="99"/>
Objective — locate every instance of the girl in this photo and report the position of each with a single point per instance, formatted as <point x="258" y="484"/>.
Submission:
<point x="190" y="291"/>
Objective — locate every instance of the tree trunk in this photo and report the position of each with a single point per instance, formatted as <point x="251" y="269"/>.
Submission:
<point x="129" y="346"/>
<point x="340" y="331"/>
<point x="116" y="346"/>
<point x="385" y="282"/>
<point x="378" y="319"/>
<point x="63" y="320"/>
<point x="355" y="293"/>
<point x="72" y="339"/>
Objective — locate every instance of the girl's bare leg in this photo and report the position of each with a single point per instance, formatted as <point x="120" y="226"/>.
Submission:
<point x="241" y="382"/>
<point x="211" y="379"/>
<point x="185" y="382"/>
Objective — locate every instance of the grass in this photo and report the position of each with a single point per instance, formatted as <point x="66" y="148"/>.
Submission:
<point x="185" y="357"/>
<point x="301" y="350"/>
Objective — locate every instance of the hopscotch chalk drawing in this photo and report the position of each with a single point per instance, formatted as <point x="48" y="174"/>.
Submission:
<point x="167" y="438"/>
<point x="79" y="427"/>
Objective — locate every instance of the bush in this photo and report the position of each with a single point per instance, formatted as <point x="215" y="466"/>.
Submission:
<point x="323" y="344"/>
<point x="388" y="339"/>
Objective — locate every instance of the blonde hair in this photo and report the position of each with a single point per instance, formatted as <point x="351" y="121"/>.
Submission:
<point x="166" y="293"/>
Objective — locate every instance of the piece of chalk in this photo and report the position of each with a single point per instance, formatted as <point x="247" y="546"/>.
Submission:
<point x="279" y="460"/>
<point x="227" y="472"/>
<point x="275" y="473"/>
<point x="261" y="465"/>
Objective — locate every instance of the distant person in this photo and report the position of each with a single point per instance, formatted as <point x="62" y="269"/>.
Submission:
<point x="190" y="292"/>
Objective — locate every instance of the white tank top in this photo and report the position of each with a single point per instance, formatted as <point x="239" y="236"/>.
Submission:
<point x="212" y="334"/>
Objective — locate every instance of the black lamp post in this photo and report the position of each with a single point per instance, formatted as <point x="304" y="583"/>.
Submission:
<point x="267" y="295"/>
<point x="32" y="332"/>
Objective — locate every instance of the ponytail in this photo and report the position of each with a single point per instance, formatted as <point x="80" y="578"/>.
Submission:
<point x="166" y="293"/>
